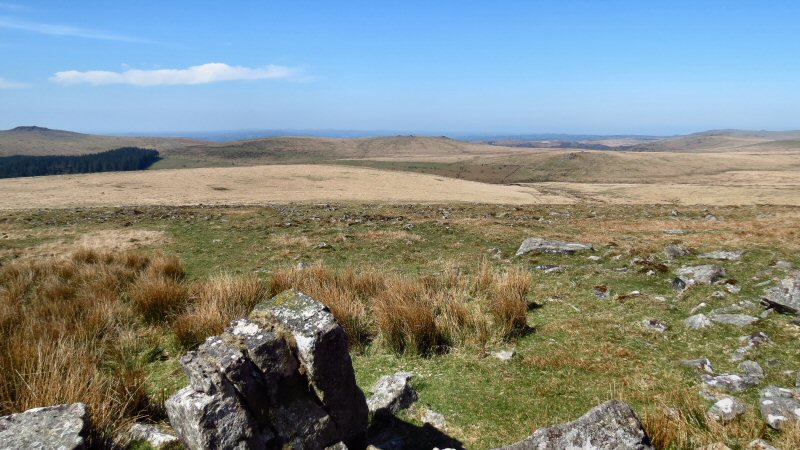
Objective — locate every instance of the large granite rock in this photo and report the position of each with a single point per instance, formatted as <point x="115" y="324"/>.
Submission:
<point x="779" y="406"/>
<point x="610" y="426"/>
<point x="60" y="427"/>
<point x="785" y="297"/>
<point x="541" y="245"/>
<point x="282" y="378"/>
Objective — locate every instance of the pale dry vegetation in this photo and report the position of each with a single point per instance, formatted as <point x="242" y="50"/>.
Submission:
<point x="417" y="315"/>
<point x="83" y="328"/>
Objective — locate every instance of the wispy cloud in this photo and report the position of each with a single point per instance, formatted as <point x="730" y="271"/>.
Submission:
<point x="12" y="23"/>
<point x="202" y="74"/>
<point x="8" y="84"/>
<point x="12" y="7"/>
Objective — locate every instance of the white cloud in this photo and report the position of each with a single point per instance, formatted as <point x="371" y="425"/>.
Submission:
<point x="12" y="23"/>
<point x="8" y="84"/>
<point x="202" y="74"/>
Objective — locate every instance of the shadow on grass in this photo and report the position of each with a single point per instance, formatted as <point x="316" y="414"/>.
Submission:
<point x="391" y="433"/>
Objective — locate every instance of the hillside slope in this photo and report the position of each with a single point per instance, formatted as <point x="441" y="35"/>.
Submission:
<point x="39" y="141"/>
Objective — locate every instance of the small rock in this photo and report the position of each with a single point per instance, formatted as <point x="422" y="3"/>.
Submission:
<point x="704" y="274"/>
<point x="504" y="355"/>
<point x="779" y="406"/>
<point x="739" y="320"/>
<point x="751" y="369"/>
<point x="785" y="265"/>
<point x="676" y="251"/>
<point x="698" y="308"/>
<point x="594" y="258"/>
<point x="324" y="246"/>
<point x="714" y="446"/>
<point x="150" y="434"/>
<point x="542" y="245"/>
<point x="601" y="291"/>
<point x="718" y="294"/>
<point x="676" y="232"/>
<point x="679" y="285"/>
<point x="760" y="444"/>
<point x="723" y="255"/>
<point x="732" y="288"/>
<point x="767" y="312"/>
<point x="702" y="364"/>
<point x="434" y="418"/>
<point x="785" y="298"/>
<point x="548" y="268"/>
<point x="697" y="322"/>
<point x="611" y="425"/>
<point x="655" y="325"/>
<point x="726" y="409"/>
<point x="391" y="393"/>
<point x="755" y="339"/>
<point x="731" y="383"/>
<point x="495" y="253"/>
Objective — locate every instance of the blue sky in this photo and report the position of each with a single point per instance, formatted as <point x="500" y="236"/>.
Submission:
<point x="605" y="67"/>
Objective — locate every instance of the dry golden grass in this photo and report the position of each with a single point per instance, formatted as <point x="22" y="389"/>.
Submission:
<point x="417" y="315"/>
<point x="214" y="303"/>
<point x="63" y="330"/>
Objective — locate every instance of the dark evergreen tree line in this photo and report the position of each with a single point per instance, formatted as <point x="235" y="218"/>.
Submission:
<point x="126" y="158"/>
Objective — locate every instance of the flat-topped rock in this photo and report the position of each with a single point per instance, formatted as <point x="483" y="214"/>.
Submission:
<point x="724" y="255"/>
<point x="52" y="427"/>
<point x="542" y="245"/>
<point x="703" y="274"/>
<point x="610" y="426"/>
<point x="785" y="297"/>
<point x="779" y="406"/>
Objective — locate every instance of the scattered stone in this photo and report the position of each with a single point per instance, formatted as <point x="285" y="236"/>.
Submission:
<point x="150" y="434"/>
<point x="767" y="312"/>
<point x="739" y="320"/>
<point x="785" y="265"/>
<point x="601" y="291"/>
<point x="716" y="445"/>
<point x="676" y="232"/>
<point x="731" y="383"/>
<point x="718" y="294"/>
<point x="655" y="325"/>
<point x="755" y="339"/>
<point x="726" y="409"/>
<point x="434" y="418"/>
<point x="594" y="258"/>
<point x="698" y="308"/>
<point x="504" y="355"/>
<point x="702" y="364"/>
<point x="58" y="427"/>
<point x="697" y="322"/>
<point x="541" y="245"/>
<point x="785" y="298"/>
<point x="779" y="406"/>
<point x="283" y="377"/>
<point x="705" y="274"/>
<point x="732" y="288"/>
<point x="495" y="253"/>
<point x="760" y="444"/>
<point x="723" y="255"/>
<point x="391" y="393"/>
<point x="751" y="369"/>
<point x="676" y="251"/>
<point x="548" y="268"/>
<point x="611" y="425"/>
<point x="324" y="246"/>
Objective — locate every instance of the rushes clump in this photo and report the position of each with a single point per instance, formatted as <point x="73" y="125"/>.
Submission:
<point x="417" y="315"/>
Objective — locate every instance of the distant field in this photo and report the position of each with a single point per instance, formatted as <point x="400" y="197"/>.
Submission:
<point x="301" y="183"/>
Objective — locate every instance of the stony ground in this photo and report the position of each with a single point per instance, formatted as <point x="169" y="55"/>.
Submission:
<point x="606" y="323"/>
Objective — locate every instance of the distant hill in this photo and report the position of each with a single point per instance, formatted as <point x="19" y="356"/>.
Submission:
<point x="40" y="141"/>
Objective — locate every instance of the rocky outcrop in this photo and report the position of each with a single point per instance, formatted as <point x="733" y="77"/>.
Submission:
<point x="541" y="245"/>
<point x="64" y="427"/>
<point x="281" y="378"/>
<point x="785" y="297"/>
<point x="610" y="426"/>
